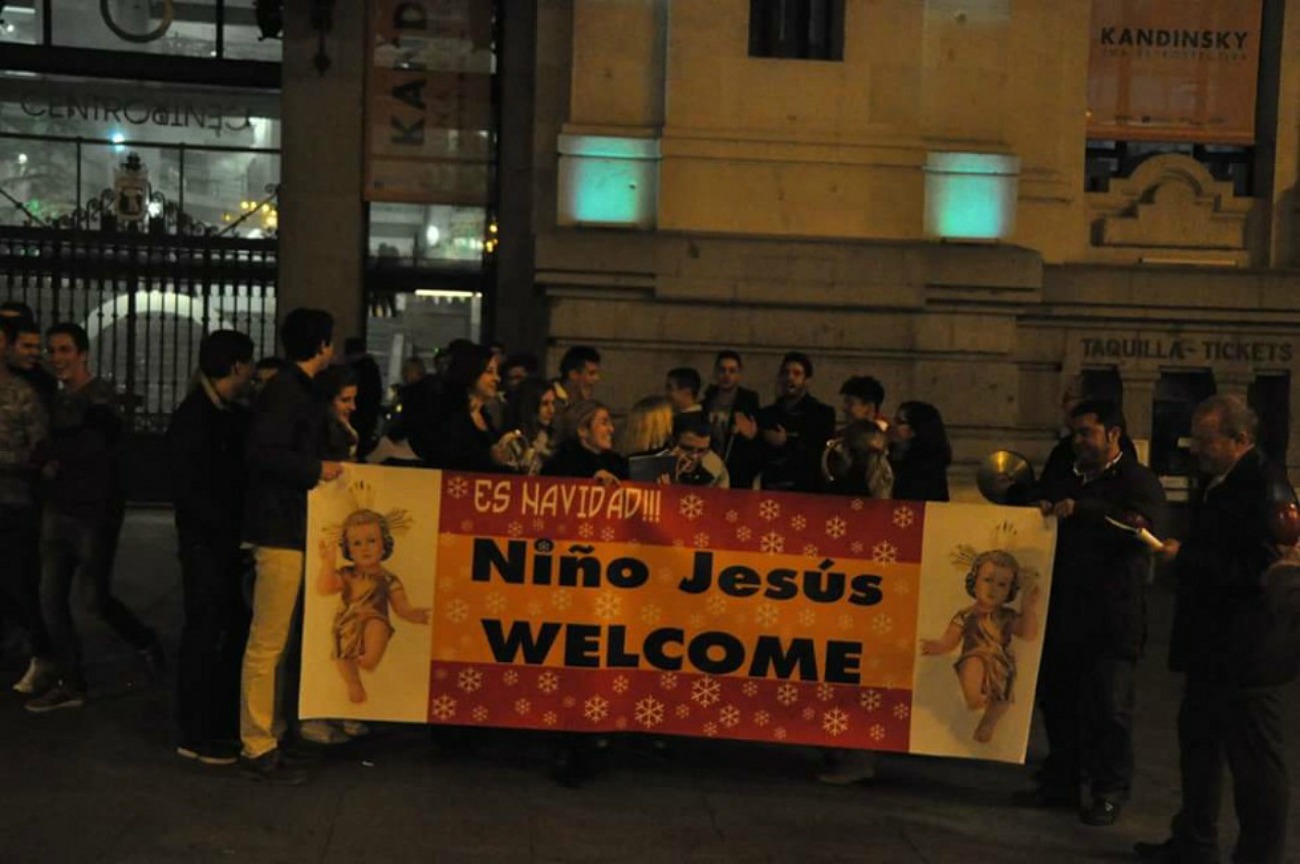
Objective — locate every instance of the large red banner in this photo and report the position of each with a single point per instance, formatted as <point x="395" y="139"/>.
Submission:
<point x="567" y="605"/>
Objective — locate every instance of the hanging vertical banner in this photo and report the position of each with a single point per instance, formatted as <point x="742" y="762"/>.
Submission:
<point x="429" y="118"/>
<point x="1174" y="70"/>
<point x="539" y="603"/>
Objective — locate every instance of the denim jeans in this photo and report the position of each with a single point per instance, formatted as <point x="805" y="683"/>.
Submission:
<point x="71" y="547"/>
<point x="20" y="574"/>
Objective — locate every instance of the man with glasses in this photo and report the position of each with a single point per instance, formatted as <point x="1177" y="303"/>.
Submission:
<point x="697" y="464"/>
<point x="1235" y="644"/>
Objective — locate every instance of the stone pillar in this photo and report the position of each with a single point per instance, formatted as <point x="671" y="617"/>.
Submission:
<point x="1279" y="122"/>
<point x="322" y="215"/>
<point x="1230" y="382"/>
<point x="518" y="315"/>
<point x="1139" y="397"/>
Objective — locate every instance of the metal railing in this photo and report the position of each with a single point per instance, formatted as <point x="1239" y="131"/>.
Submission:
<point x="145" y="300"/>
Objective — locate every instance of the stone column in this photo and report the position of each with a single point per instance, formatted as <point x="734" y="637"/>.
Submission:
<point x="518" y="316"/>
<point x="1139" y="397"/>
<point x="322" y="215"/>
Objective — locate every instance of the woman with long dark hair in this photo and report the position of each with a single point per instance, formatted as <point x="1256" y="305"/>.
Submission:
<point x="530" y="417"/>
<point x="329" y="426"/>
<point x="920" y="453"/>
<point x="464" y="438"/>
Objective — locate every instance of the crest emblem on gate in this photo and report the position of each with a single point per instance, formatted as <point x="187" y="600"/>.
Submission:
<point x="131" y="192"/>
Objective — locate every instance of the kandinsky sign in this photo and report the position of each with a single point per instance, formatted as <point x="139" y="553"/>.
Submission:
<point x="555" y="604"/>
<point x="1174" y="70"/>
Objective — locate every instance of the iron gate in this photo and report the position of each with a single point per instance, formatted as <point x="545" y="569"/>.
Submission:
<point x="145" y="300"/>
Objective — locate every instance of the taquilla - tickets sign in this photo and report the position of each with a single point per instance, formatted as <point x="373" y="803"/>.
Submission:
<point x="565" y="605"/>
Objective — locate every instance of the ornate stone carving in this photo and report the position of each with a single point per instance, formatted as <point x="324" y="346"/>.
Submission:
<point x="1170" y="204"/>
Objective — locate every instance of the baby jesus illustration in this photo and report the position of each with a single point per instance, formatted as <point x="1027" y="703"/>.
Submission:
<point x="986" y="668"/>
<point x="361" y="627"/>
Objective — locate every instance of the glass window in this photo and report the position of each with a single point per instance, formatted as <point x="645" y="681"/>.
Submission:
<point x="21" y="22"/>
<point x="63" y="142"/>
<point x="419" y="325"/>
<point x="797" y="29"/>
<point x="424" y="233"/>
<point x="244" y="37"/>
<point x="186" y="29"/>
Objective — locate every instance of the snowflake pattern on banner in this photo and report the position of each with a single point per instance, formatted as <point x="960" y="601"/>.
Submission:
<point x="692" y="507"/>
<point x="697" y="522"/>
<point x="719" y="519"/>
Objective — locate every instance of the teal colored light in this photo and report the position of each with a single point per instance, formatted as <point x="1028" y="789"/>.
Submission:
<point x="970" y="196"/>
<point x="609" y="146"/>
<point x="608" y="191"/>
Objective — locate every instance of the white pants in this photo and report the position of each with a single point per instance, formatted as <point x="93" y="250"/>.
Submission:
<point x="275" y="594"/>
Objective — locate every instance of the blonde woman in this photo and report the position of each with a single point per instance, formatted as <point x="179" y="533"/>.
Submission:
<point x="649" y="427"/>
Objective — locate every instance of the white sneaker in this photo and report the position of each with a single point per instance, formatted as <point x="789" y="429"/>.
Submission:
<point x="322" y="732"/>
<point x="36" y="677"/>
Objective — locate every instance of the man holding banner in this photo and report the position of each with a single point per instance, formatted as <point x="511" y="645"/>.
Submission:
<point x="282" y="470"/>
<point x="1097" y="627"/>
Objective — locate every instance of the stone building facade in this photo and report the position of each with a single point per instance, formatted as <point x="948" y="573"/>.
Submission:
<point x="687" y="196"/>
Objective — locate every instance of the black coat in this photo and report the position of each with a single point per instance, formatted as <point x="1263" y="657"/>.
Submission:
<point x="1225" y="631"/>
<point x="743" y="456"/>
<point x="205" y="448"/>
<point x="281" y="465"/>
<point x="574" y="460"/>
<point x="1099" y="576"/>
<point x="796" y="467"/>
<point x="920" y="476"/>
<point x="462" y="446"/>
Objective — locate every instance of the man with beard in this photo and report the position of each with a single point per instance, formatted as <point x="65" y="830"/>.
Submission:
<point x="795" y="430"/>
<point x="1097" y="626"/>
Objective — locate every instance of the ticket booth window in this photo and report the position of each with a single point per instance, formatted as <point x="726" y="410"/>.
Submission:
<point x="1270" y="397"/>
<point x="1176" y="397"/>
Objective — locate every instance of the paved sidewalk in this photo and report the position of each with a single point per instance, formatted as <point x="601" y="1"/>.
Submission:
<point x="102" y="784"/>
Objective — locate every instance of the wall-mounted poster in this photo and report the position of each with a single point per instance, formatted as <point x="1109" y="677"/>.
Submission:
<point x="1174" y="70"/>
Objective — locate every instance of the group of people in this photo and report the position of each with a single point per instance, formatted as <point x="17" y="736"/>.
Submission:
<point x="61" y="504"/>
<point x="484" y="410"/>
<point x="1236" y="634"/>
<point x="242" y="465"/>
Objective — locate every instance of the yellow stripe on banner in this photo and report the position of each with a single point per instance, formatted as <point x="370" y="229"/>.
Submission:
<point x="675" y="608"/>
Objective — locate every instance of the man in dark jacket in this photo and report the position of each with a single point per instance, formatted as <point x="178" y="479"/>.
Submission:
<point x="795" y="430"/>
<point x="206" y="442"/>
<point x="1229" y="641"/>
<point x="281" y="471"/>
<point x="1096" y="625"/>
<point x="733" y="412"/>
<point x="82" y="515"/>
